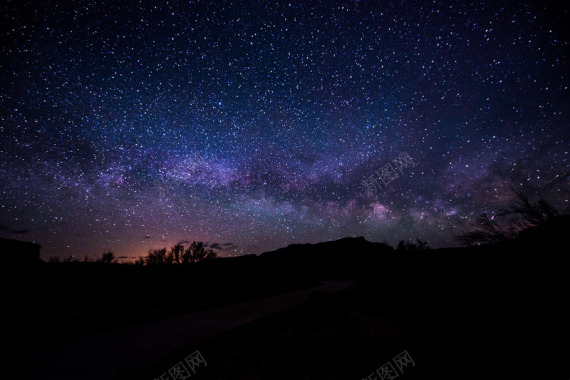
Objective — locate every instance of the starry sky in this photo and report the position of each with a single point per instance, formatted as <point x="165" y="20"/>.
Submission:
<point x="251" y="125"/>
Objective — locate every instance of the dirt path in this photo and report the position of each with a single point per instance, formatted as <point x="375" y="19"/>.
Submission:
<point x="100" y="356"/>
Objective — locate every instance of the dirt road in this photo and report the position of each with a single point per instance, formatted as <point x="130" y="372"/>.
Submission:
<point x="100" y="356"/>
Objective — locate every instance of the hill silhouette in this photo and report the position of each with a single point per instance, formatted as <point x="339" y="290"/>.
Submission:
<point x="539" y="245"/>
<point x="552" y="233"/>
<point x="343" y="254"/>
<point x="16" y="252"/>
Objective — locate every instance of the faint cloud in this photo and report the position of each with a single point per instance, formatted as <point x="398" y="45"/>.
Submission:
<point x="20" y="232"/>
<point x="222" y="246"/>
<point x="13" y="231"/>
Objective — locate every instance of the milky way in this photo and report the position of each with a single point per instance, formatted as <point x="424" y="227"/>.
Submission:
<point x="132" y="125"/>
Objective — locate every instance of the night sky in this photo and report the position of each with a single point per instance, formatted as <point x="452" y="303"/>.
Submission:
<point x="129" y="125"/>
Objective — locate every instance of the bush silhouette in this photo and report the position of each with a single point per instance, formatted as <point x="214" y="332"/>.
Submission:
<point x="140" y="260"/>
<point x="419" y="245"/>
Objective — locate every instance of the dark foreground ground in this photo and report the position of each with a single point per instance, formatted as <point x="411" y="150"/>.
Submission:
<point x="493" y="330"/>
<point x="340" y="310"/>
<point x="339" y="337"/>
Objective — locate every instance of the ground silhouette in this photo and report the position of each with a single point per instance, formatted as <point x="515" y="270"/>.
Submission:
<point x="478" y="304"/>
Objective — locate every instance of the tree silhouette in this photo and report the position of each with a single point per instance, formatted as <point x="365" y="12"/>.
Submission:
<point x="196" y="252"/>
<point x="515" y="218"/>
<point x="527" y="213"/>
<point x="186" y="256"/>
<point x="108" y="257"/>
<point x="156" y="256"/>
<point x="176" y="253"/>
<point x="488" y="231"/>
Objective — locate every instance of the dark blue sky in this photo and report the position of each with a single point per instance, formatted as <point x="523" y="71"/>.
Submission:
<point x="131" y="125"/>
